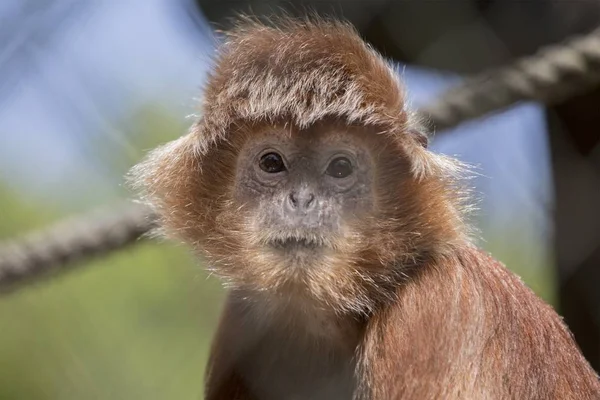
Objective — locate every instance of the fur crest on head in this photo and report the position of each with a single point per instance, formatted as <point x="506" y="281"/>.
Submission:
<point x="302" y="71"/>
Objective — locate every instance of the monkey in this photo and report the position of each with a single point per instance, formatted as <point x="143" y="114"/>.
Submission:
<point x="306" y="184"/>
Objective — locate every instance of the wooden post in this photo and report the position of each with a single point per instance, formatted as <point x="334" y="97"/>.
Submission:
<point x="574" y="133"/>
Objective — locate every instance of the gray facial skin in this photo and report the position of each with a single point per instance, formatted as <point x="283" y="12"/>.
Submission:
<point x="304" y="186"/>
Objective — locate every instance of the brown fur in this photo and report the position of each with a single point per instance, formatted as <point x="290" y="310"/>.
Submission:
<point x="407" y="299"/>
<point x="474" y="331"/>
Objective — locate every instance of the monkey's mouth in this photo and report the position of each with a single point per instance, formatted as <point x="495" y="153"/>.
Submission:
<point x="296" y="243"/>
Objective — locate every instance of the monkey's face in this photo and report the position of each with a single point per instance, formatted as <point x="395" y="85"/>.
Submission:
<point x="295" y="219"/>
<point x="330" y="213"/>
<point x="322" y="213"/>
<point x="302" y="190"/>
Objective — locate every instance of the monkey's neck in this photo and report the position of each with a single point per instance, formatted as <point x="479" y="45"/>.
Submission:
<point x="302" y="323"/>
<point x="282" y="350"/>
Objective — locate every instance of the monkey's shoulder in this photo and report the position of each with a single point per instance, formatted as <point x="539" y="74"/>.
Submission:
<point x="469" y="324"/>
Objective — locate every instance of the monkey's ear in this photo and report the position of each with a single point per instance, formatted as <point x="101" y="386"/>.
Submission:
<point x="419" y="136"/>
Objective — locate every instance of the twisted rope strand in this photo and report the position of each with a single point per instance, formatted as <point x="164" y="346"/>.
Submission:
<point x="552" y="75"/>
<point x="51" y="250"/>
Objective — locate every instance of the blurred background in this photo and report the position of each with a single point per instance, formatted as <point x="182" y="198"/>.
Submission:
<point x="87" y="87"/>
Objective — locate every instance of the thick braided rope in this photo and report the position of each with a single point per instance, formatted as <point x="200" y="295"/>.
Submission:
<point x="553" y="74"/>
<point x="52" y="250"/>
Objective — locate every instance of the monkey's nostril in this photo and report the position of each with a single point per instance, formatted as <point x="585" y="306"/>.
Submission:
<point x="310" y="200"/>
<point x="293" y="200"/>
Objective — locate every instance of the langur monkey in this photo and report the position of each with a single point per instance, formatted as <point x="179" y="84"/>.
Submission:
<point x="307" y="186"/>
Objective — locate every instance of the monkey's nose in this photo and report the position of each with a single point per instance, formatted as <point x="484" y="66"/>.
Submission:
<point x="301" y="201"/>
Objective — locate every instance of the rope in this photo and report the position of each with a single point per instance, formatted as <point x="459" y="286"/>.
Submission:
<point x="54" y="249"/>
<point x="552" y="75"/>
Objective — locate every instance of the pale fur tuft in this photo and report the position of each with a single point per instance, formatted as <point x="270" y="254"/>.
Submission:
<point x="299" y="70"/>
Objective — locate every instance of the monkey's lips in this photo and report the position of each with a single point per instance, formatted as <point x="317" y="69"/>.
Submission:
<point x="296" y="243"/>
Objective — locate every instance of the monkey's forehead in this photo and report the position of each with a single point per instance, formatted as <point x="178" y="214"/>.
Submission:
<point x="301" y="71"/>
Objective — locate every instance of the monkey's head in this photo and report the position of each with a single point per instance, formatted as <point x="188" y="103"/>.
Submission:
<point x="305" y="177"/>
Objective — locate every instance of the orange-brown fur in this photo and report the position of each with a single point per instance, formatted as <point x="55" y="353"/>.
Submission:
<point x="421" y="312"/>
<point x="475" y="332"/>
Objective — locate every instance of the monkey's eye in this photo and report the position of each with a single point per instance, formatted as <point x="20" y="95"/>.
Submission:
<point x="271" y="163"/>
<point x="339" y="167"/>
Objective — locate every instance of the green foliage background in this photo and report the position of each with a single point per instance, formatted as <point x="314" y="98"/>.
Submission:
<point x="136" y="324"/>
